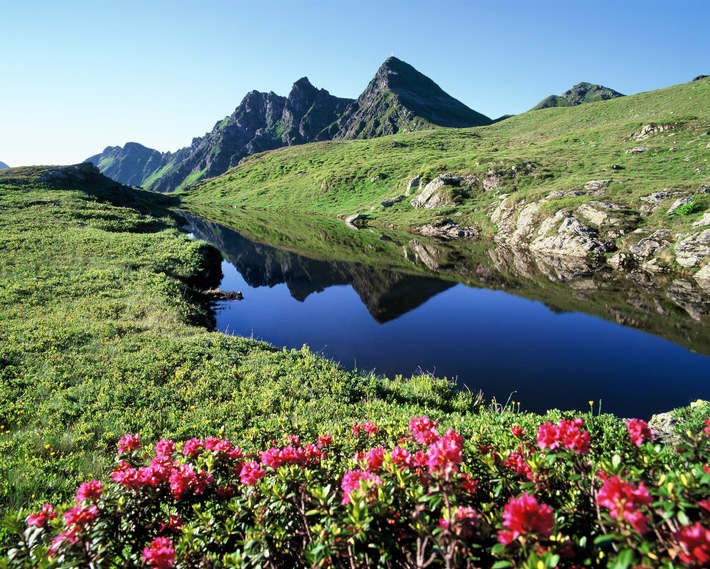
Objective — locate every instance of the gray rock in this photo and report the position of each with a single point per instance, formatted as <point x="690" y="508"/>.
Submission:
<point x="391" y="201"/>
<point x="448" y="230"/>
<point x="663" y="426"/>
<point x="652" y="245"/>
<point x="678" y="203"/>
<point x="694" y="251"/>
<point x="705" y="220"/>
<point x="622" y="261"/>
<point x="571" y="237"/>
<point x="596" y="185"/>
<point x="431" y="195"/>
<point x="702" y="277"/>
<point x="413" y="185"/>
<point x="652" y="201"/>
<point x="637" y="150"/>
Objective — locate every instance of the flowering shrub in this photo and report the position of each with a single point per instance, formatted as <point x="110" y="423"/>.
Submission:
<point x="377" y="497"/>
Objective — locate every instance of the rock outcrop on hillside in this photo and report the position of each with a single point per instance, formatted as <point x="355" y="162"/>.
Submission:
<point x="398" y="98"/>
<point x="579" y="94"/>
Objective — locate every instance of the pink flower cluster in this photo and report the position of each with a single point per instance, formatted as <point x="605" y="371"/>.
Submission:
<point x="367" y="427"/>
<point x="639" y="431"/>
<point x="308" y="455"/>
<point x="516" y="461"/>
<point x="128" y="443"/>
<point x="160" y="553"/>
<point x="424" y="430"/>
<point x="251" y="473"/>
<point x="89" y="491"/>
<point x="623" y="500"/>
<point x="523" y="516"/>
<point x="695" y="543"/>
<point x="352" y="481"/>
<point x="181" y="478"/>
<point x="216" y="445"/>
<point x="39" y="519"/>
<point x="566" y="434"/>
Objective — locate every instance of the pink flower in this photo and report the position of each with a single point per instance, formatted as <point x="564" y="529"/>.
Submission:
<point x="352" y="480"/>
<point x="706" y="429"/>
<point x="445" y="455"/>
<point x="639" y="431"/>
<point x="623" y="500"/>
<point x="81" y="517"/>
<point x="293" y="440"/>
<point x="517" y="431"/>
<point x="367" y="427"/>
<point x="160" y="553"/>
<point x="223" y="447"/>
<point x="68" y="536"/>
<point x="89" y="491"/>
<point x="159" y="471"/>
<point x="516" y="462"/>
<point x="566" y="433"/>
<point x="174" y="524"/>
<point x="375" y="458"/>
<point x="324" y="441"/>
<point x="38" y="519"/>
<point x="164" y="448"/>
<point x="126" y="475"/>
<point x="424" y="430"/>
<point x="469" y="484"/>
<point x="192" y="447"/>
<point x="251" y="473"/>
<point x="401" y="457"/>
<point x="129" y="442"/>
<point x="182" y="479"/>
<point x="524" y="515"/>
<point x="695" y="543"/>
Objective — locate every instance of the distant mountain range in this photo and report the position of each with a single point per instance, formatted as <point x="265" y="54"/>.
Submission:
<point x="3" y="165"/>
<point x="398" y="98"/>
<point x="577" y="95"/>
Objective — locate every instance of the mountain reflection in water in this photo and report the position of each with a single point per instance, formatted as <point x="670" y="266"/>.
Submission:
<point x="396" y="303"/>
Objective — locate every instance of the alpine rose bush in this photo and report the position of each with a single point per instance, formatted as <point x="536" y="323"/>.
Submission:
<point x="411" y="495"/>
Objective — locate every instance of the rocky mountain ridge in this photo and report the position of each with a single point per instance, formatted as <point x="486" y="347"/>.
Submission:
<point x="398" y="98"/>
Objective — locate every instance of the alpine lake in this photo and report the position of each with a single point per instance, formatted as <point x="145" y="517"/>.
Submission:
<point x="535" y="333"/>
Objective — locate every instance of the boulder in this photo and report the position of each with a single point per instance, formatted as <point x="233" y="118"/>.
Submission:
<point x="694" y="250"/>
<point x="432" y="196"/>
<point x="391" y="201"/>
<point x="652" y="245"/>
<point x="637" y="150"/>
<point x="352" y="220"/>
<point x="565" y="235"/>
<point x="595" y="186"/>
<point x="652" y="201"/>
<point x="705" y="220"/>
<point x="413" y="185"/>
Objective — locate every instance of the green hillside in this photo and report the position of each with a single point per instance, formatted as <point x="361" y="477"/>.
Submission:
<point x="637" y="145"/>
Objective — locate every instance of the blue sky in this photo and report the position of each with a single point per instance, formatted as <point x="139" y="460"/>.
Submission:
<point x="77" y="76"/>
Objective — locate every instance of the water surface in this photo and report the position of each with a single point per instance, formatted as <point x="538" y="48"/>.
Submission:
<point x="375" y="318"/>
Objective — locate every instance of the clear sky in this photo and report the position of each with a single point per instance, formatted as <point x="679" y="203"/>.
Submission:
<point x="79" y="75"/>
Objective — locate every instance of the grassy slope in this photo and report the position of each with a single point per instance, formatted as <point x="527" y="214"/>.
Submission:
<point x="98" y="338"/>
<point x="568" y="146"/>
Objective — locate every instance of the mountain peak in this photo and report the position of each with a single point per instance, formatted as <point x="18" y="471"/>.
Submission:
<point x="3" y="166"/>
<point x="401" y="98"/>
<point x="581" y="93"/>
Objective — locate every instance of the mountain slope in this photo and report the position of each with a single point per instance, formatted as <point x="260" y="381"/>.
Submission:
<point x="577" y="95"/>
<point x="401" y="98"/>
<point x="3" y="165"/>
<point x="398" y="98"/>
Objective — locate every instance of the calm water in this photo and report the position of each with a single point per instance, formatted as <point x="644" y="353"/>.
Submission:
<point x="502" y="344"/>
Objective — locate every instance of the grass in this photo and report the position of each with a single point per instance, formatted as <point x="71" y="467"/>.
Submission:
<point x="100" y="337"/>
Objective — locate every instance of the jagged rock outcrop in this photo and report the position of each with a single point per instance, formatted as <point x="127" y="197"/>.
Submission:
<point x="577" y="95"/>
<point x="400" y="98"/>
